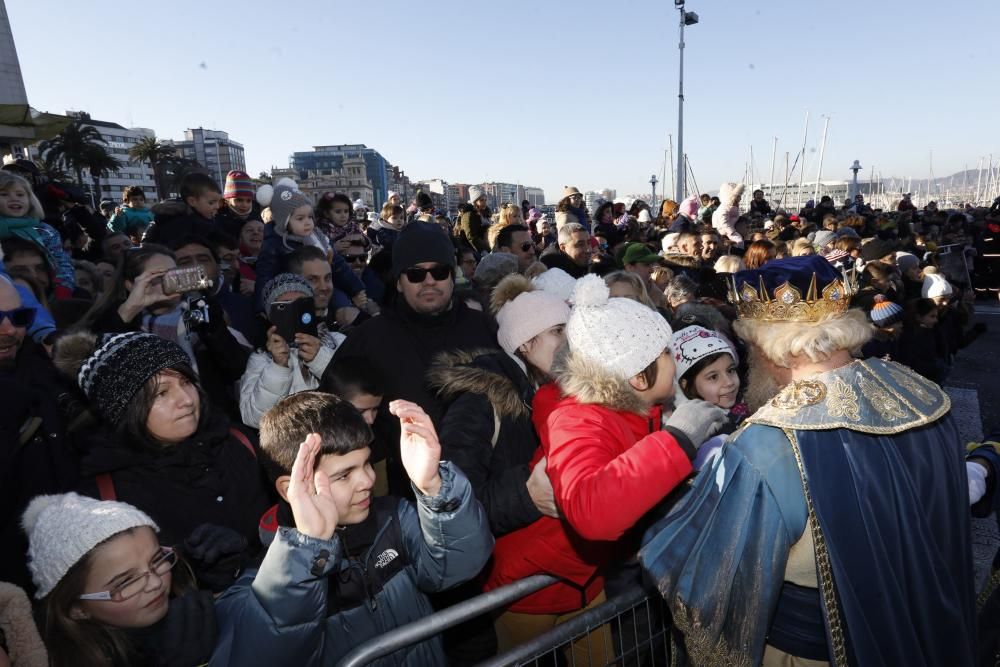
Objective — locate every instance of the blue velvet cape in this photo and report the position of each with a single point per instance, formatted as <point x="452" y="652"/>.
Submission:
<point x="870" y="453"/>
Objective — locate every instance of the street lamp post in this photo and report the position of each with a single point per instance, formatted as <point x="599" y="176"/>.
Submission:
<point x="856" y="167"/>
<point x="653" y="182"/>
<point x="687" y="18"/>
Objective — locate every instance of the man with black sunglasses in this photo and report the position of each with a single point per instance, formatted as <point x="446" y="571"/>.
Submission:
<point x="421" y="321"/>
<point x="516" y="239"/>
<point x="35" y="457"/>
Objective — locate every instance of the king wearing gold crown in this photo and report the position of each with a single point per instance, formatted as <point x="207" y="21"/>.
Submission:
<point x="834" y="527"/>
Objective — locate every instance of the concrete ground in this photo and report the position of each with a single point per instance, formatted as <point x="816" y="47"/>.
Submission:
<point x="974" y="387"/>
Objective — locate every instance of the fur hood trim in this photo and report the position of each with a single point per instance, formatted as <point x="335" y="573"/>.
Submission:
<point x="730" y="193"/>
<point x="454" y="373"/>
<point x="589" y="383"/>
<point x="684" y="261"/>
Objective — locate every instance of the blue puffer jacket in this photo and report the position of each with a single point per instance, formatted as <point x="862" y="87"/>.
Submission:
<point x="289" y="611"/>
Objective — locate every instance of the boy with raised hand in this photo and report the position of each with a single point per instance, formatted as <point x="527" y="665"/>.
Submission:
<point x="344" y="567"/>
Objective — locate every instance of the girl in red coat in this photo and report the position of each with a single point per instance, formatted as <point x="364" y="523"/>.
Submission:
<point x="610" y="456"/>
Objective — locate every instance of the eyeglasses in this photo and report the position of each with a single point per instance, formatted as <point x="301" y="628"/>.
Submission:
<point x="160" y="565"/>
<point x="19" y="317"/>
<point x="417" y="275"/>
<point x="356" y="259"/>
<point x="526" y="246"/>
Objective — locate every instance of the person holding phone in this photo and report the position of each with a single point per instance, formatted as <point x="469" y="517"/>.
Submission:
<point x="295" y="356"/>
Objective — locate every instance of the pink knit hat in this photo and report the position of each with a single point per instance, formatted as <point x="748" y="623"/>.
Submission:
<point x="526" y="316"/>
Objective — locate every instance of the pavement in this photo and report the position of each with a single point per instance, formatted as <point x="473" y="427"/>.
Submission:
<point x="975" y="394"/>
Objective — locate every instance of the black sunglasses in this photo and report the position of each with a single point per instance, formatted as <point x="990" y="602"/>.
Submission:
<point x="417" y="275"/>
<point x="19" y="317"/>
<point x="526" y="246"/>
<point x="356" y="259"/>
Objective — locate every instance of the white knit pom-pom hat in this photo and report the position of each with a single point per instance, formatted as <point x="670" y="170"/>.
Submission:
<point x="621" y="336"/>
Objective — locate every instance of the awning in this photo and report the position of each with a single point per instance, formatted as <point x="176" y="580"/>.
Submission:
<point x="23" y="124"/>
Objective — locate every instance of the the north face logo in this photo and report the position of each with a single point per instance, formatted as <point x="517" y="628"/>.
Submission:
<point x="386" y="557"/>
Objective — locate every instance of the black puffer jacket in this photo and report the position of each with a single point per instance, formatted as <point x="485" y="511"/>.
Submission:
<point x="210" y="478"/>
<point x="478" y="389"/>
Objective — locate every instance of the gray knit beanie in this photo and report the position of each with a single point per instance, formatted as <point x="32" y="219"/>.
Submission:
<point x="121" y="365"/>
<point x="64" y="528"/>
<point x="282" y="198"/>
<point x="283" y="283"/>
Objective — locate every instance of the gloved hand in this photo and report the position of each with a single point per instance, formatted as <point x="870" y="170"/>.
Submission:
<point x="977" y="481"/>
<point x="697" y="420"/>
<point x="215" y="554"/>
<point x="186" y="635"/>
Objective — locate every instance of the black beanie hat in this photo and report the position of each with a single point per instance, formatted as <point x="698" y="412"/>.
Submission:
<point x="121" y="365"/>
<point x="421" y="242"/>
<point x="424" y="201"/>
<point x="876" y="249"/>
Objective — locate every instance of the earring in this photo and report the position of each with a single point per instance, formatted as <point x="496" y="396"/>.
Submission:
<point x="78" y="614"/>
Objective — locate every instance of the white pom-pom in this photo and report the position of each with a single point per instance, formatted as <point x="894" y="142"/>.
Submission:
<point x="35" y="508"/>
<point x="286" y="182"/>
<point x="264" y="195"/>
<point x="591" y="290"/>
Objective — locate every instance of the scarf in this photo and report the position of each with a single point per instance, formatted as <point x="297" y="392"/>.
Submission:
<point x="171" y="326"/>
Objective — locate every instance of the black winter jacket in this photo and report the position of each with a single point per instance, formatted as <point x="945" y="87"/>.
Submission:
<point x="35" y="455"/>
<point x="401" y="344"/>
<point x="479" y="389"/>
<point x="210" y="478"/>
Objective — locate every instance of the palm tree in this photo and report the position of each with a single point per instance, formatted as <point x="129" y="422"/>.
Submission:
<point x="73" y="147"/>
<point x="52" y="170"/>
<point x="101" y="164"/>
<point x="155" y="153"/>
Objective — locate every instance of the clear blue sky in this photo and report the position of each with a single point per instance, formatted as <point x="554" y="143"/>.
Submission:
<point x="539" y="92"/>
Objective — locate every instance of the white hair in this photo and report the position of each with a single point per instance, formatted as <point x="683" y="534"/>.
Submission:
<point x="729" y="264"/>
<point x="783" y="342"/>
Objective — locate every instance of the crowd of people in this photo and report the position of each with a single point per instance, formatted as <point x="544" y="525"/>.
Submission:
<point x="244" y="427"/>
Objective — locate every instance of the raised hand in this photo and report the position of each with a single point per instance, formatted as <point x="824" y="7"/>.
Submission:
<point x="308" y="346"/>
<point x="309" y="493"/>
<point x="146" y="290"/>
<point x="277" y="347"/>
<point x="419" y="448"/>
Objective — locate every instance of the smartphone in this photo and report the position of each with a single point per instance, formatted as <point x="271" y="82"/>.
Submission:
<point x="292" y="317"/>
<point x="188" y="279"/>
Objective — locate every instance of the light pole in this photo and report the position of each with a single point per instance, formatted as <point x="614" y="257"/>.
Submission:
<point x="687" y="18"/>
<point x="856" y="167"/>
<point x="652" y="202"/>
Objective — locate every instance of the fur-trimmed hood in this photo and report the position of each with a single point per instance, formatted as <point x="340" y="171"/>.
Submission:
<point x="682" y="260"/>
<point x="486" y="372"/>
<point x="730" y="193"/>
<point x="587" y="382"/>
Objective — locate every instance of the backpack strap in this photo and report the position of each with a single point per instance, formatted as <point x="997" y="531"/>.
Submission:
<point x="244" y="440"/>
<point x="106" y="486"/>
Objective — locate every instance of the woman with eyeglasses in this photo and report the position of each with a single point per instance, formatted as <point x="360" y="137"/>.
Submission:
<point x="110" y="593"/>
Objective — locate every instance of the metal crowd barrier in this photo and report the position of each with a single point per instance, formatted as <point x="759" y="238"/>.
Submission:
<point x="638" y="622"/>
<point x="425" y="628"/>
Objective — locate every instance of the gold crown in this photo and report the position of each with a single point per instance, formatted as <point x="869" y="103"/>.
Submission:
<point x="787" y="304"/>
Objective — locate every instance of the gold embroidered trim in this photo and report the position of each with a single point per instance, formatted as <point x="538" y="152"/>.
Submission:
<point x="842" y="401"/>
<point x="701" y="650"/>
<point x="910" y="383"/>
<point x="880" y="399"/>
<point x="887" y="418"/>
<point x="799" y="394"/>
<point x="824" y="569"/>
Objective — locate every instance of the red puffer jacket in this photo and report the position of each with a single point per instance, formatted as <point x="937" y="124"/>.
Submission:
<point x="609" y="464"/>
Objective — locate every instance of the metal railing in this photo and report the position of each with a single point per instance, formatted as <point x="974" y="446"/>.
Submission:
<point x="425" y="628"/>
<point x="639" y="624"/>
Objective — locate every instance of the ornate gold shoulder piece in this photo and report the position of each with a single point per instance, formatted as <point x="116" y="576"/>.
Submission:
<point x="788" y="304"/>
